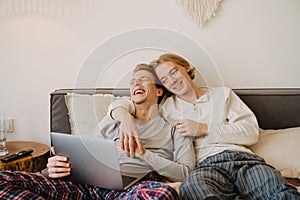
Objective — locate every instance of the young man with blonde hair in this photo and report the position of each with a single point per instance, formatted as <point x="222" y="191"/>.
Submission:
<point x="223" y="126"/>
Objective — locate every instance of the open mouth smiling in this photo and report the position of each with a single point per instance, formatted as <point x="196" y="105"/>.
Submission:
<point x="138" y="91"/>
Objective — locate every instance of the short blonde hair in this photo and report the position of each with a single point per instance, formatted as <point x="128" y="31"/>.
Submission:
<point x="175" y="59"/>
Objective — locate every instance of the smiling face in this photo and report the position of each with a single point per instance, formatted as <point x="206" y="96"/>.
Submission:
<point x="143" y="89"/>
<point x="175" y="78"/>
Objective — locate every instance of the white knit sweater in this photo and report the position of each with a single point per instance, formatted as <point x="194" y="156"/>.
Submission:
<point x="231" y="124"/>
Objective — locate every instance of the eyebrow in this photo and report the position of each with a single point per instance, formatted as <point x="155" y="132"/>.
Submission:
<point x="174" y="68"/>
<point x="142" y="77"/>
<point x="160" y="78"/>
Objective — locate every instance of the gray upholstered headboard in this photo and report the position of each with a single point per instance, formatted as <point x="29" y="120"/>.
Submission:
<point x="274" y="108"/>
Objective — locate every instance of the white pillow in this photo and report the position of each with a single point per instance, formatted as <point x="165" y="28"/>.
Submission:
<point x="85" y="111"/>
<point x="281" y="149"/>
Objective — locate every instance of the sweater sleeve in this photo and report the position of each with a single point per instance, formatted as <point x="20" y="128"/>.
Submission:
<point x="125" y="103"/>
<point x="183" y="159"/>
<point x="239" y="125"/>
<point x="107" y="128"/>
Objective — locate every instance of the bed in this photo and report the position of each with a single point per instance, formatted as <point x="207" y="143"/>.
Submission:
<point x="77" y="111"/>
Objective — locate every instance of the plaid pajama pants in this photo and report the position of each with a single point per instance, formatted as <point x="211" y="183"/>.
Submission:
<point x="22" y="185"/>
<point x="236" y="175"/>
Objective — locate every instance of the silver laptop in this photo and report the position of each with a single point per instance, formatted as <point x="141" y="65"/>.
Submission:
<point x="94" y="161"/>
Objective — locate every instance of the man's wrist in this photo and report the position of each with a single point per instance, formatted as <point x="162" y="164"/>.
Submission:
<point x="142" y="154"/>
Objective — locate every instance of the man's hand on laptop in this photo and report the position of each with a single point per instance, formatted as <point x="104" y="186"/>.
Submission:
<point x="58" y="166"/>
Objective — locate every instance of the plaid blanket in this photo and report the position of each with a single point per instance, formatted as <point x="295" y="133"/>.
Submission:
<point x="22" y="185"/>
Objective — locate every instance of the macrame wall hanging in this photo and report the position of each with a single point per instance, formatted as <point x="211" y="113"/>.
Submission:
<point x="200" y="11"/>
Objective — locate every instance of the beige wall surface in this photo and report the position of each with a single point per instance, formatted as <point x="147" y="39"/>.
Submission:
<point x="43" y="47"/>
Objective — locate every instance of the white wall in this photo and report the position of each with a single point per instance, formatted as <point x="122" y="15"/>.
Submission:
<point x="254" y="43"/>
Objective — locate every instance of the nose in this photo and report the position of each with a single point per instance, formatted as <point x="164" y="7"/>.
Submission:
<point x="171" y="80"/>
<point x="137" y="82"/>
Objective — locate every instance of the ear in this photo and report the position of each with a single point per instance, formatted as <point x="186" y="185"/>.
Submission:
<point x="187" y="68"/>
<point x="159" y="92"/>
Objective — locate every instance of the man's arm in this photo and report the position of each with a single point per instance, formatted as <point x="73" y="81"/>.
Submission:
<point x="124" y="103"/>
<point x="123" y="110"/>
<point x="183" y="159"/>
<point x="240" y="125"/>
<point x="127" y="138"/>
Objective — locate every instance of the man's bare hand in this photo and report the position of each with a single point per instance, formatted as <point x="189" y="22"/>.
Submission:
<point x="129" y="136"/>
<point x="137" y="152"/>
<point x="188" y="127"/>
<point x="58" y="166"/>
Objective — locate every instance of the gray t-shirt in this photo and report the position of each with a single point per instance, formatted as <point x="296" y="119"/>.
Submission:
<point x="167" y="152"/>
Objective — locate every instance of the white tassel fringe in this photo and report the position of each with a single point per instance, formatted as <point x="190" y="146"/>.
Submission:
<point x="200" y="11"/>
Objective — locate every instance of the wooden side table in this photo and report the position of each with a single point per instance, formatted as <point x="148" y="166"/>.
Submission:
<point x="35" y="162"/>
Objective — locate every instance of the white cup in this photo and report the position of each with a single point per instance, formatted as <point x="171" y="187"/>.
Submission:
<point x="3" y="150"/>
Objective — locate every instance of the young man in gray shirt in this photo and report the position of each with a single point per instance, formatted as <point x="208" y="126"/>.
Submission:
<point x="161" y="150"/>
